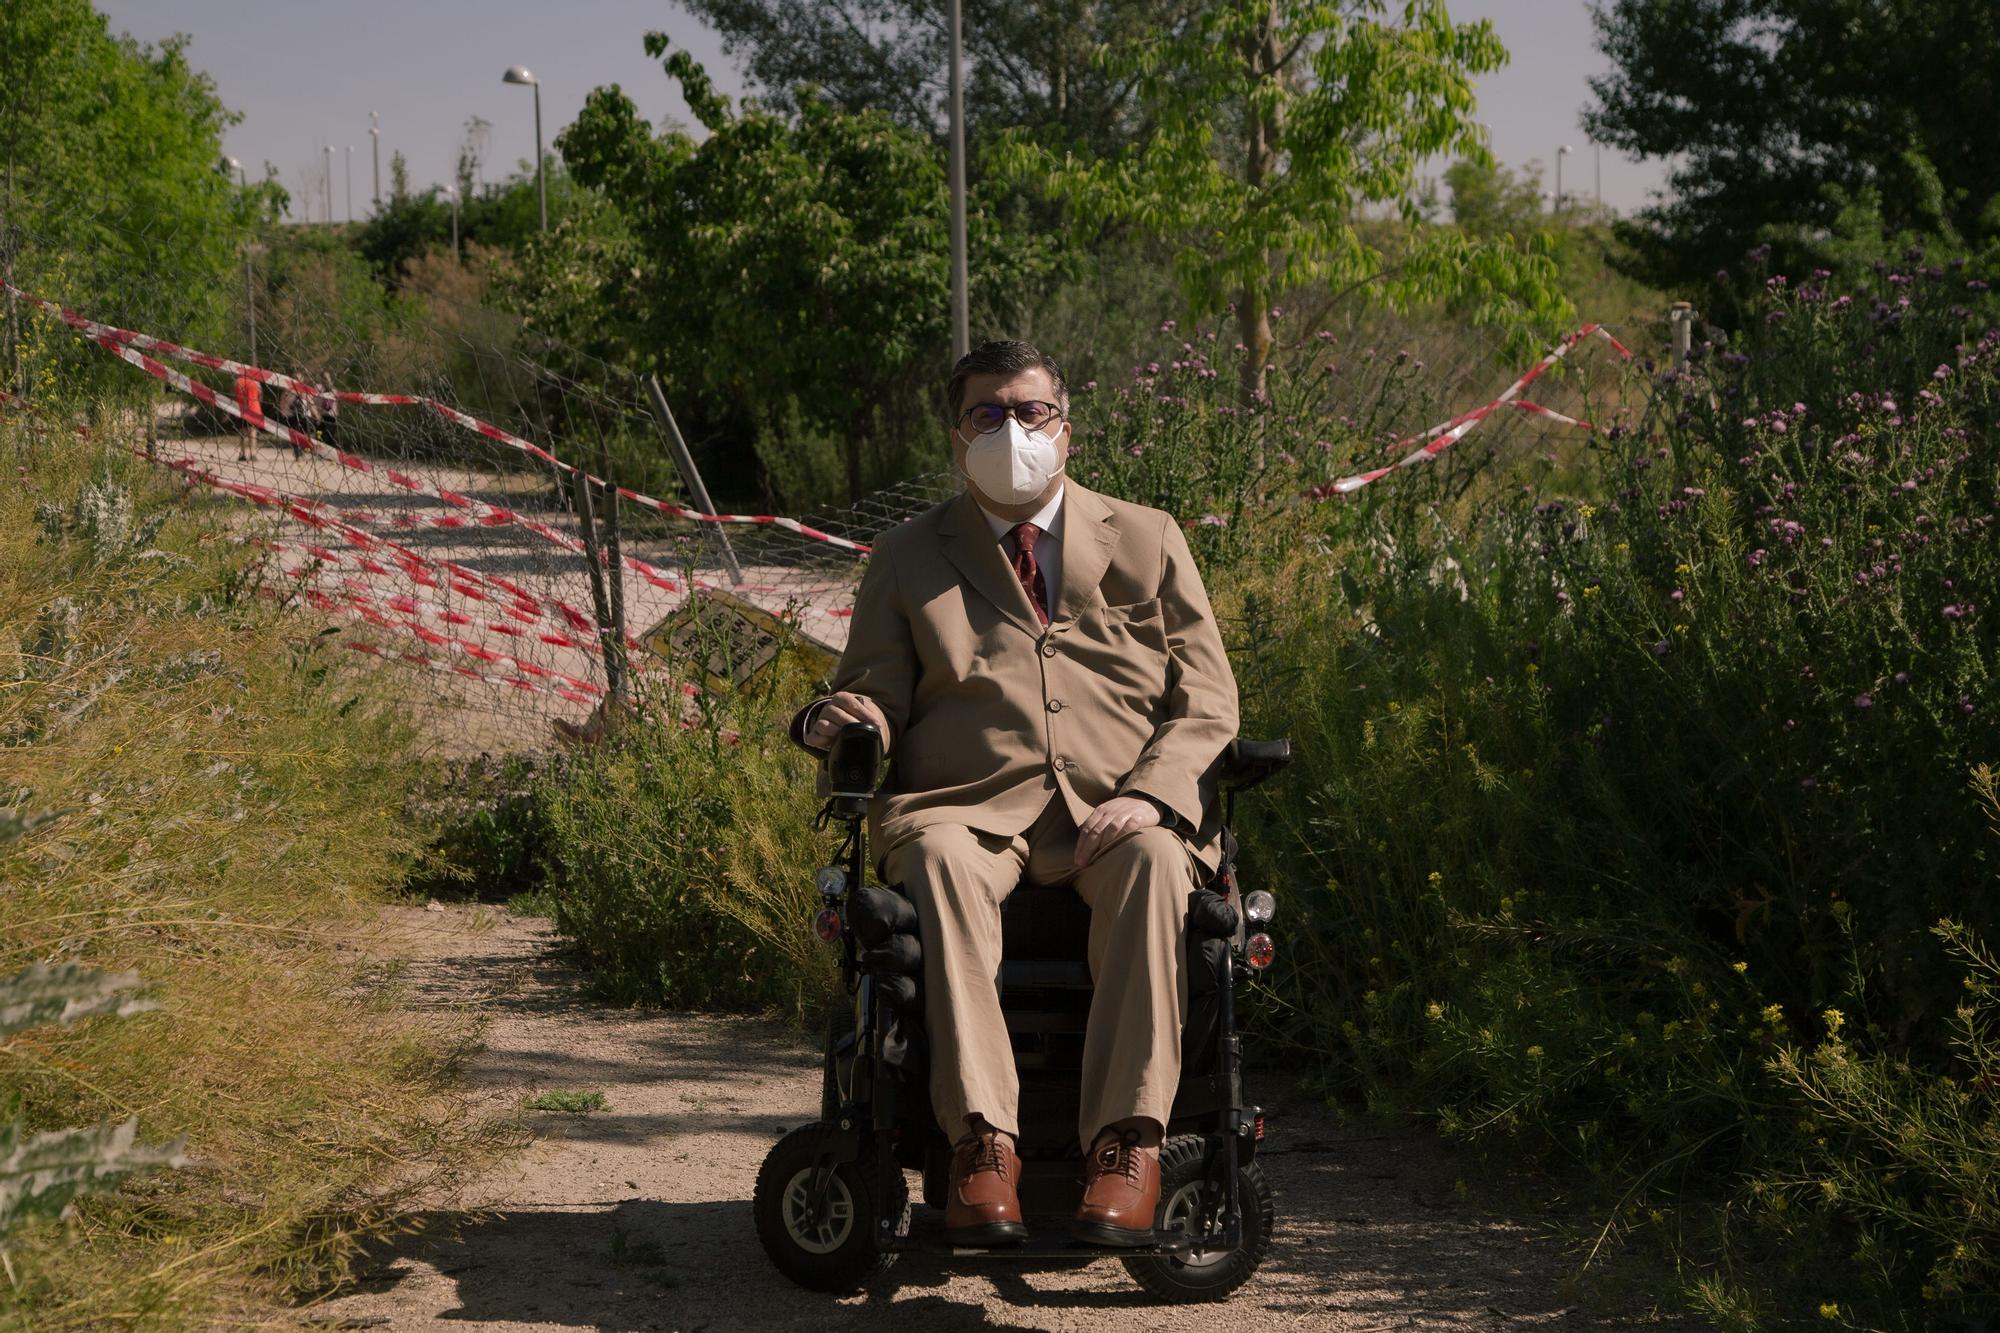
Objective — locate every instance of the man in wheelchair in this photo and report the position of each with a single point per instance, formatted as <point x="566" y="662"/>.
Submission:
<point x="1046" y="674"/>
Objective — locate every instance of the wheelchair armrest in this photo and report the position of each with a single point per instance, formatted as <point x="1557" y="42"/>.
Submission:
<point x="1247" y="763"/>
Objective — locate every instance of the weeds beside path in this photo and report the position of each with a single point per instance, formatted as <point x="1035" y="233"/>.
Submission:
<point x="637" y="1216"/>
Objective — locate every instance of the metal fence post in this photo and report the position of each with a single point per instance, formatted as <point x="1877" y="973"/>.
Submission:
<point x="614" y="551"/>
<point x="1680" y="316"/>
<point x="670" y="429"/>
<point x="614" y="675"/>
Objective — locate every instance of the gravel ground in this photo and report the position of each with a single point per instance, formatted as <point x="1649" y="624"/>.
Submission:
<point x="638" y="1216"/>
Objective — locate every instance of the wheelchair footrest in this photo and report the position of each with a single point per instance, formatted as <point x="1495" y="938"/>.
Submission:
<point x="1048" y="1239"/>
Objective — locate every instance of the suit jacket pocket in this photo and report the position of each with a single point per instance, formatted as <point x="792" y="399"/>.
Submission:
<point x="1131" y="613"/>
<point x="1129" y="646"/>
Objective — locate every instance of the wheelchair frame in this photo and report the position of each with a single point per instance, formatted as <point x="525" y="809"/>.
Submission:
<point x="876" y="1115"/>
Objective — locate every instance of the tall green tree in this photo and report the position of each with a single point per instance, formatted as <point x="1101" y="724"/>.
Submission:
<point x="791" y="268"/>
<point x="1275" y="124"/>
<point x="109" y="178"/>
<point x="1032" y="65"/>
<point x="1778" y="114"/>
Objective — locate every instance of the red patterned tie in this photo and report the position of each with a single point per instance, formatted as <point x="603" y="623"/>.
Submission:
<point x="1030" y="573"/>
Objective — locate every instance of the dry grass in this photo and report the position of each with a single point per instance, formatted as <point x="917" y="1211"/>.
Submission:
<point x="231" y="813"/>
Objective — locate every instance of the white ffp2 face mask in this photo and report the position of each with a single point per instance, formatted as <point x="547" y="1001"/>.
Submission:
<point x="1012" y="465"/>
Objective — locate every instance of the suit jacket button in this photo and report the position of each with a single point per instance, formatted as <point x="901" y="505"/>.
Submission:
<point x="1055" y="705"/>
<point x="1049" y="648"/>
<point x="1060" y="765"/>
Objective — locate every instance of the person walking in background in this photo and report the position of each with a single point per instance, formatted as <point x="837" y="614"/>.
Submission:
<point x="249" y="401"/>
<point x="329" y="407"/>
<point x="308" y="409"/>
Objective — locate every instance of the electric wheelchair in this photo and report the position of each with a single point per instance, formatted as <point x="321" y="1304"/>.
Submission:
<point x="831" y="1203"/>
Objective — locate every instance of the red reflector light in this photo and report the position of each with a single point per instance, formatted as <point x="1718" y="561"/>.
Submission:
<point x="1258" y="951"/>
<point x="827" y="925"/>
<point x="1260" y="1129"/>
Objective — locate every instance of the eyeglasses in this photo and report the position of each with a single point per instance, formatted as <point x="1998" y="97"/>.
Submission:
<point x="989" y="417"/>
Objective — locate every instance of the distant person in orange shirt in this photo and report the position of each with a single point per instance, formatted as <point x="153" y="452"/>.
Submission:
<point x="249" y="401"/>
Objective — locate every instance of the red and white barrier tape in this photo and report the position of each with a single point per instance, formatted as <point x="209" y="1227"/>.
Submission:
<point x="112" y="337"/>
<point x="728" y="734"/>
<point x="1440" y="438"/>
<point x="320" y="562"/>
<point x="484" y="513"/>
<point x="515" y="600"/>
<point x="470" y="673"/>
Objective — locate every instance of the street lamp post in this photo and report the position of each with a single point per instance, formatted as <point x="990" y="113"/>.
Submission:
<point x="520" y="74"/>
<point x="1561" y="153"/>
<point x="961" y="297"/>
<point x="375" y="147"/>
<point x="327" y="181"/>
<point x="350" y="182"/>
<point x="228" y="165"/>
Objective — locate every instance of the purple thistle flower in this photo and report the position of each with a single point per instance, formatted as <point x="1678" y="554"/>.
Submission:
<point x="1864" y="701"/>
<point x="1662" y="648"/>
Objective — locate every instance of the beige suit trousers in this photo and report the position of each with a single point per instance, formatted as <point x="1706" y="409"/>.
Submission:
<point x="1137" y="890"/>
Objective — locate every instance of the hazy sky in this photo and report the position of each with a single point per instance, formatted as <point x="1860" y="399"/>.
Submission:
<point x="306" y="74"/>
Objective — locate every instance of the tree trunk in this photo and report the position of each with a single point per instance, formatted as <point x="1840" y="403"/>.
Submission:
<point x="851" y="449"/>
<point x="1253" y="330"/>
<point x="1263" y="55"/>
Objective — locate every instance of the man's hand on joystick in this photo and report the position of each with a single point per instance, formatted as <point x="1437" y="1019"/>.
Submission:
<point x="841" y="709"/>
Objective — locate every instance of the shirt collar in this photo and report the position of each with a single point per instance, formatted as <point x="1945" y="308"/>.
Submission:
<point x="1048" y="518"/>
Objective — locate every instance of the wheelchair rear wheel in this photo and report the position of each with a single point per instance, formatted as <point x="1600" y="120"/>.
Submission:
<point x="1183" y="1195"/>
<point x="822" y="1239"/>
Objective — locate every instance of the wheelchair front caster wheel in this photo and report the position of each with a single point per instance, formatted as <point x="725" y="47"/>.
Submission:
<point x="819" y="1224"/>
<point x="1183" y="1186"/>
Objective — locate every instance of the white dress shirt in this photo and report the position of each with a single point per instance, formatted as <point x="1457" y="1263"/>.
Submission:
<point x="1048" y="546"/>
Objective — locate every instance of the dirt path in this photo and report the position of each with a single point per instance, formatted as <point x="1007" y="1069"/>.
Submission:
<point x="638" y="1216"/>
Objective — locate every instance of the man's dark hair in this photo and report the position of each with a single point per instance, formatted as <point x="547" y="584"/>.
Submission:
<point x="1001" y="356"/>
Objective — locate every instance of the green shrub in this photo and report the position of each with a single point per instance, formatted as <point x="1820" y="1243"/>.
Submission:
<point x="679" y="861"/>
<point x="1610" y="796"/>
<point x="491" y="832"/>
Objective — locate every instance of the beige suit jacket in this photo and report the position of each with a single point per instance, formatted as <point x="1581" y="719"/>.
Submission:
<point x="1126" y="692"/>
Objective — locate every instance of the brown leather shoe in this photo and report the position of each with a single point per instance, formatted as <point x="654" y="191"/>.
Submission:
<point x="1121" y="1192"/>
<point x="984" y="1206"/>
